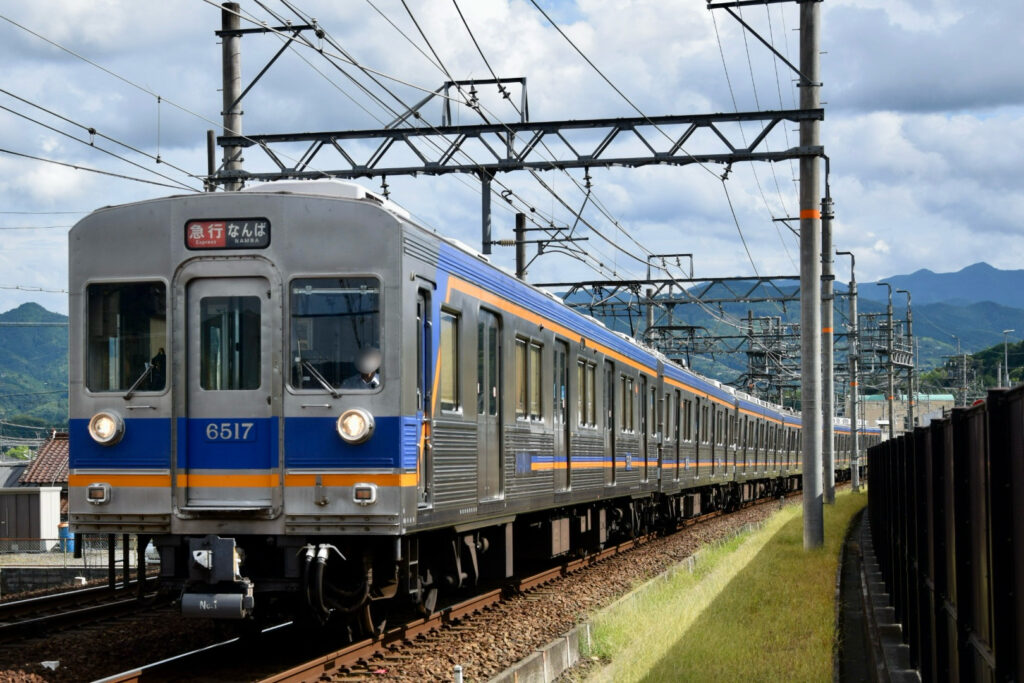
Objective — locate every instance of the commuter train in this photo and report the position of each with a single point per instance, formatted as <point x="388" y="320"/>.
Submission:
<point x="309" y="403"/>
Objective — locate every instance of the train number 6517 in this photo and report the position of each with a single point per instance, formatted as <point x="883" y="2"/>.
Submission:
<point x="229" y="431"/>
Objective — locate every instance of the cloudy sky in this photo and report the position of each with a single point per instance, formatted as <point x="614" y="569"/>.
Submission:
<point x="924" y="121"/>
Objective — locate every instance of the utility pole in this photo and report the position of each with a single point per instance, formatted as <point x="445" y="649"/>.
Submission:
<point x="827" y="376"/>
<point x="1006" y="357"/>
<point x="810" y="279"/>
<point x="853" y="358"/>
<point x="521" y="246"/>
<point x="911" y="394"/>
<point x="485" y="212"/>
<point x="888" y="361"/>
<point x="232" y="71"/>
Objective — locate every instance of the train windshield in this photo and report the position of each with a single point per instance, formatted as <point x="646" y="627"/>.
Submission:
<point x="335" y="333"/>
<point x="126" y="337"/>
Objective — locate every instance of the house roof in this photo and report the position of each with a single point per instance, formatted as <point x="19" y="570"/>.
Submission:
<point x="11" y="471"/>
<point x="50" y="466"/>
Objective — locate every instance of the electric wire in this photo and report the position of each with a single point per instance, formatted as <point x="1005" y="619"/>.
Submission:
<point x="93" y="132"/>
<point x="507" y="192"/>
<point x="92" y="145"/>
<point x="634" y="106"/>
<point x="589" y="193"/>
<point x="34" y="227"/>
<point x="26" y="288"/>
<point x="44" y="213"/>
<point x="735" y="106"/>
<point x="79" y="167"/>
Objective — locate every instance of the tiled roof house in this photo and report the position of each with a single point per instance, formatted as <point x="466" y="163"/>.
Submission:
<point x="50" y="467"/>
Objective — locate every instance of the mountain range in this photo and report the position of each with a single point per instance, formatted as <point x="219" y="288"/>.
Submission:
<point x="975" y="283"/>
<point x="33" y="369"/>
<point x="962" y="311"/>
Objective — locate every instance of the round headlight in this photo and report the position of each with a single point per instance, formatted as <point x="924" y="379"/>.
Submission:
<point x="106" y="429"/>
<point x="355" y="425"/>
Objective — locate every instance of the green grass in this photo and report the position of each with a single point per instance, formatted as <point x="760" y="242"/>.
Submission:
<point x="756" y="608"/>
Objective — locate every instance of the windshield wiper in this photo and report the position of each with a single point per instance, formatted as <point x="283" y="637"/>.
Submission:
<point x="321" y="379"/>
<point x="142" y="378"/>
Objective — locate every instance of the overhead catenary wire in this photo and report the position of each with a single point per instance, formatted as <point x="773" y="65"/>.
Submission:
<point x="507" y="193"/>
<point x="480" y="110"/>
<point x="27" y="288"/>
<point x="79" y="167"/>
<point x="93" y="132"/>
<point x="735" y="106"/>
<point x="588" y="192"/>
<point x="92" y="145"/>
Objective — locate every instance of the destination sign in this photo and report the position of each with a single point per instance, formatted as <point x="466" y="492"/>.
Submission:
<point x="228" y="233"/>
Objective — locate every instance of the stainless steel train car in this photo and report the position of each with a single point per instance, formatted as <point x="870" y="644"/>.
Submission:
<point x="308" y="402"/>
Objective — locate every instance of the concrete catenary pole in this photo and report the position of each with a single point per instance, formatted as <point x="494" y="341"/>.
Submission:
<point x="853" y="358"/>
<point x="911" y="393"/>
<point x="521" y="246"/>
<point x="828" y="472"/>
<point x="1006" y="357"/>
<point x="232" y="73"/>
<point x="892" y="389"/>
<point x="485" y="212"/>
<point x="810" y="279"/>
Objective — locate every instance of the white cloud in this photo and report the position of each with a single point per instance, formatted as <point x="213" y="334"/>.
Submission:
<point x="926" y="142"/>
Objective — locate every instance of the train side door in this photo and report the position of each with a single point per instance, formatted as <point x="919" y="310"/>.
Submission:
<point x="488" y="405"/>
<point x="424" y="394"/>
<point x="644" y="417"/>
<point x="610" y="387"/>
<point x="229" y="458"/>
<point x="560" y="404"/>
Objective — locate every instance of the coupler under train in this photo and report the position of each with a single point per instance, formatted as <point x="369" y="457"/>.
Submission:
<point x="216" y="589"/>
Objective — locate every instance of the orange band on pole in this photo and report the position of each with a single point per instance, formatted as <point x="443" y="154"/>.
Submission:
<point x="826" y="330"/>
<point x="854" y="384"/>
<point x="810" y="213"/>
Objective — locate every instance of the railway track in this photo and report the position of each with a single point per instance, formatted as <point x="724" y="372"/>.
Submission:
<point x="260" y="657"/>
<point x="44" y="614"/>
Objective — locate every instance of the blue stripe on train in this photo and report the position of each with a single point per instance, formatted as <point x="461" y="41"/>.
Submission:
<point x="311" y="442"/>
<point x="252" y="449"/>
<point x="146" y="445"/>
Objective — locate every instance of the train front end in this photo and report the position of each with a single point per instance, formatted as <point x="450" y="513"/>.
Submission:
<point x="235" y="395"/>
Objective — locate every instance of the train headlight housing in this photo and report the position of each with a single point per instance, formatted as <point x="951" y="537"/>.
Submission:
<point x="355" y="425"/>
<point x="106" y="428"/>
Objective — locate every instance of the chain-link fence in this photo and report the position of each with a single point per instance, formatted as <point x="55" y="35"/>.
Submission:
<point x="93" y="551"/>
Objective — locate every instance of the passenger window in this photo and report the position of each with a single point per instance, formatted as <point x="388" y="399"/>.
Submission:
<point x="628" y="407"/>
<point x="126" y="336"/>
<point x="535" y="381"/>
<point x="335" y="333"/>
<point x="586" y="405"/>
<point x="229" y="343"/>
<point x="449" y="362"/>
<point x="528" y="379"/>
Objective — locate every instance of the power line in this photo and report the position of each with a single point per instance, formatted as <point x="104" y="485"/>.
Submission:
<point x="44" y="213"/>
<point x="34" y="227"/>
<point x="93" y="132"/>
<point x="96" y="147"/>
<point x="87" y="168"/>
<point x="507" y="193"/>
<point x="25" y="288"/>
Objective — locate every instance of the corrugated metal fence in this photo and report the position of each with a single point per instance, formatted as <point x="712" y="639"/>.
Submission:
<point x="946" y="507"/>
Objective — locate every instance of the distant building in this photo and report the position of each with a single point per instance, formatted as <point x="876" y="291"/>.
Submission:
<point x="875" y="410"/>
<point x="50" y="468"/>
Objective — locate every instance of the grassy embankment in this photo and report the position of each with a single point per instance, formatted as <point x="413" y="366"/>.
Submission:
<point x="756" y="608"/>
